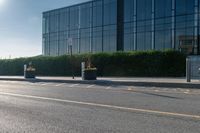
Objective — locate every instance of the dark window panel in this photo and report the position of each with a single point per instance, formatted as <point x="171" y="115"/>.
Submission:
<point x="110" y="12"/>
<point x="110" y="38"/>
<point x="184" y="7"/>
<point x="128" y="10"/>
<point x="163" y="8"/>
<point x="85" y="15"/>
<point x="85" y="41"/>
<point x="97" y="40"/>
<point x="97" y="13"/>
<point x="144" y="9"/>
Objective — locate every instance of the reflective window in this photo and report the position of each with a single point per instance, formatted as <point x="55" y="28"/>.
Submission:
<point x="163" y="24"/>
<point x="53" y="44"/>
<point x="97" y="13"/>
<point x="85" y="15"/>
<point x="109" y="38"/>
<point x="163" y="39"/>
<point x="93" y="26"/>
<point x="144" y="24"/>
<point x="74" y="18"/>
<point x="184" y="25"/>
<point x="63" y="48"/>
<point x="97" y="45"/>
<point x="75" y="41"/>
<point x="163" y="8"/>
<point x="143" y="40"/>
<point x="144" y="8"/>
<point x="184" y="7"/>
<point x="64" y="20"/>
<point x="110" y="12"/>
<point x="85" y="41"/>
<point x="128" y="10"/>
<point x="128" y="37"/>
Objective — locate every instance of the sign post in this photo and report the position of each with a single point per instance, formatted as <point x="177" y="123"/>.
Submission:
<point x="188" y="70"/>
<point x="83" y="70"/>
<point x="70" y="41"/>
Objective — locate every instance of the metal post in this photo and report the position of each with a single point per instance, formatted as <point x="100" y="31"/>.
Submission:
<point x="25" y="67"/>
<point x="70" y="46"/>
<point x="83" y="70"/>
<point x="188" y="70"/>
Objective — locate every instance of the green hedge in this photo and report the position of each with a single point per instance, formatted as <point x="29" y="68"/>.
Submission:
<point x="140" y="63"/>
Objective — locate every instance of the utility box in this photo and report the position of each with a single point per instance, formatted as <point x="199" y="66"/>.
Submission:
<point x="192" y="68"/>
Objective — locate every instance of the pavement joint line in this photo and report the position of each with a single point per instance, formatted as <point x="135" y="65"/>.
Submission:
<point x="107" y="106"/>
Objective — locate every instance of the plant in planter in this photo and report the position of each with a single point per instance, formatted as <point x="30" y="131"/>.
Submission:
<point x="90" y="73"/>
<point x="29" y="72"/>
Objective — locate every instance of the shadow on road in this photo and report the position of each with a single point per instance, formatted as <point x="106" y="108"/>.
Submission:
<point x="159" y="95"/>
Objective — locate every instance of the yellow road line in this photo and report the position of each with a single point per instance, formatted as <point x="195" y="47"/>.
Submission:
<point x="107" y="106"/>
<point x="163" y="91"/>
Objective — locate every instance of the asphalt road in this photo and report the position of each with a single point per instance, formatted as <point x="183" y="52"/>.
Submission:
<point x="27" y="107"/>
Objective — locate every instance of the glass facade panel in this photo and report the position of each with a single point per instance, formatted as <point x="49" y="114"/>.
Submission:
<point x="163" y="8"/>
<point x="109" y="38"/>
<point x="97" y="13"/>
<point x="110" y="12"/>
<point x="128" y="37"/>
<point x="74" y="18"/>
<point x="128" y="10"/>
<point x="97" y="40"/>
<point x="148" y="24"/>
<point x="85" y="41"/>
<point x="185" y="25"/>
<point x="184" y="7"/>
<point x="144" y="41"/>
<point x="64" y="20"/>
<point x="75" y="41"/>
<point x="163" y="22"/>
<point x="85" y="16"/>
<point x="144" y="9"/>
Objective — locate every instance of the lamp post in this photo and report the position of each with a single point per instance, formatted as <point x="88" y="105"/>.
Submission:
<point x="70" y="50"/>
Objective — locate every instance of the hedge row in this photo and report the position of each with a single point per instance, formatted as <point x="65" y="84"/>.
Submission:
<point x="140" y="63"/>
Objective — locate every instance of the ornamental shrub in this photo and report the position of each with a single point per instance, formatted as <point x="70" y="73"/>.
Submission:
<point x="135" y="63"/>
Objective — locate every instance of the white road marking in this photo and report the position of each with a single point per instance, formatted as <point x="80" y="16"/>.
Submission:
<point x="43" y="84"/>
<point x="130" y="89"/>
<point x="108" y="88"/>
<point x="106" y="106"/>
<point x="73" y="85"/>
<point x="60" y="84"/>
<point x="90" y="86"/>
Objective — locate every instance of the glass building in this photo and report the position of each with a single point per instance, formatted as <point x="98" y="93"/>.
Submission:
<point x="123" y="25"/>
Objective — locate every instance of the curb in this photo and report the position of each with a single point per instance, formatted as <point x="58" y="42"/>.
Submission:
<point x="108" y="82"/>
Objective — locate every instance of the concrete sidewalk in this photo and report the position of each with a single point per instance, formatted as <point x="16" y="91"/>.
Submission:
<point x="148" y="82"/>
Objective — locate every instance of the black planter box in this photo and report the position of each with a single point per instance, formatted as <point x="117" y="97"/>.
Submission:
<point x="29" y="74"/>
<point x="90" y="74"/>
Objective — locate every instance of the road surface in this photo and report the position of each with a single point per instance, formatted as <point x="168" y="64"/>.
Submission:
<point x="41" y="107"/>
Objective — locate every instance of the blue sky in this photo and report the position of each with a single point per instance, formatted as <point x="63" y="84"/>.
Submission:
<point x="21" y="25"/>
